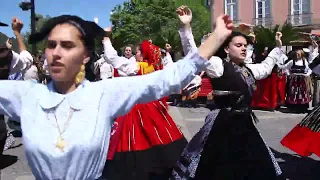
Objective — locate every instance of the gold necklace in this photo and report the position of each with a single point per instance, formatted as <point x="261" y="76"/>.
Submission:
<point x="61" y="143"/>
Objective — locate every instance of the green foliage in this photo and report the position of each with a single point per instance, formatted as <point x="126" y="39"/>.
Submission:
<point x="156" y="20"/>
<point x="201" y="23"/>
<point x="135" y="22"/>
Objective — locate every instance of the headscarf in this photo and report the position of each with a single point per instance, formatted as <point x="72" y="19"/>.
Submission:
<point x="151" y="54"/>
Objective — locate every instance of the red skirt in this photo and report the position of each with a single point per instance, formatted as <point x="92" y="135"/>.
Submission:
<point x="304" y="139"/>
<point x="144" y="141"/>
<point x="270" y="92"/>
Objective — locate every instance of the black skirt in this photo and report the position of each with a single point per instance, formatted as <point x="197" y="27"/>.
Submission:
<point x="228" y="147"/>
<point x="235" y="150"/>
<point x="155" y="163"/>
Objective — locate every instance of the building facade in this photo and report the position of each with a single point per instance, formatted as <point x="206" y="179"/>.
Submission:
<point x="300" y="13"/>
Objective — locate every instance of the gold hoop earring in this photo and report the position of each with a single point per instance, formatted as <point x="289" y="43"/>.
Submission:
<point x="81" y="74"/>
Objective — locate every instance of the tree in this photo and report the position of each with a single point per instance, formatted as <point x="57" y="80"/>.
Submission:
<point x="41" y="20"/>
<point x="156" y="20"/>
<point x="135" y="22"/>
<point x="201" y="24"/>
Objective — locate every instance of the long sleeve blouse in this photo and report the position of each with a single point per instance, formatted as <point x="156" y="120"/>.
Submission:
<point x="84" y="116"/>
<point x="215" y="68"/>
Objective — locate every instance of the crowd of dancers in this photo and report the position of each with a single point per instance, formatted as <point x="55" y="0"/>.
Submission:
<point x="85" y="117"/>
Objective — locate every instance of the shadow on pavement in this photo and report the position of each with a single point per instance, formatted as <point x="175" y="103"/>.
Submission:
<point x="7" y="160"/>
<point x="295" y="167"/>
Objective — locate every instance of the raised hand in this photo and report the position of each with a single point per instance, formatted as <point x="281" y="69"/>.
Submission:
<point x="184" y="14"/>
<point x="108" y="31"/>
<point x="16" y="25"/>
<point x="223" y="27"/>
<point x="278" y="35"/>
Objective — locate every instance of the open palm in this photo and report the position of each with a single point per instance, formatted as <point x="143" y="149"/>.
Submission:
<point x="184" y="14"/>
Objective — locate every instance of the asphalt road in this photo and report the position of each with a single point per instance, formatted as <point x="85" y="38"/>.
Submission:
<point x="273" y="126"/>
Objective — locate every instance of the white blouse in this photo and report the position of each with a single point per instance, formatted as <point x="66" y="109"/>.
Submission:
<point x="85" y="116"/>
<point x="299" y="62"/>
<point x="106" y="69"/>
<point x="216" y="69"/>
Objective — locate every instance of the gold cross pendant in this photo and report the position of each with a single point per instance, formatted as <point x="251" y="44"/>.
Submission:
<point x="60" y="143"/>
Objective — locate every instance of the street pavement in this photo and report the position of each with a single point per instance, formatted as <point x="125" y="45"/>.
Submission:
<point x="273" y="126"/>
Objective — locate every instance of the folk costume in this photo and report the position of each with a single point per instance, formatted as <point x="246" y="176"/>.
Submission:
<point x="66" y="136"/>
<point x="229" y="146"/>
<point x="298" y="92"/>
<point x="304" y="137"/>
<point x="146" y="142"/>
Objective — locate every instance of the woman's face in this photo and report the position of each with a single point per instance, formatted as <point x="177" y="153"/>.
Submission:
<point x="128" y="51"/>
<point x="237" y="49"/>
<point x="299" y="54"/>
<point x="65" y="53"/>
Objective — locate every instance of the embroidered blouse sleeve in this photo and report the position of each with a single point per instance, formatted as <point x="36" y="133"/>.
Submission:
<point x="124" y="92"/>
<point x="121" y="63"/>
<point x="264" y="69"/>
<point x="20" y="62"/>
<point x="10" y="97"/>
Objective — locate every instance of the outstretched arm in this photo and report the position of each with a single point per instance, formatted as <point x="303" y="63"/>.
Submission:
<point x="11" y="93"/>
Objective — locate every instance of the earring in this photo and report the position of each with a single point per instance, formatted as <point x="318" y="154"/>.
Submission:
<point x="81" y="74"/>
<point x="228" y="57"/>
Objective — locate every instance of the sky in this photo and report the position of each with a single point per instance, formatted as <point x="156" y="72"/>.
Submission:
<point x="86" y="9"/>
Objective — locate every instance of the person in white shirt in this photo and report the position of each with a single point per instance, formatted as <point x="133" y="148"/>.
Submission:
<point x="12" y="63"/>
<point x="250" y="49"/>
<point x="229" y="145"/>
<point x="103" y="69"/>
<point x="128" y="53"/>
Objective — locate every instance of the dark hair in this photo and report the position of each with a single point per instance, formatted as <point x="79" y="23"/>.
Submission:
<point x="89" y="30"/>
<point x="221" y="53"/>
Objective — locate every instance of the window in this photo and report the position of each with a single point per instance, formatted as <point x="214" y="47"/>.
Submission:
<point x="207" y="2"/>
<point x="300" y="12"/>
<point x="231" y="8"/>
<point x="263" y="10"/>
